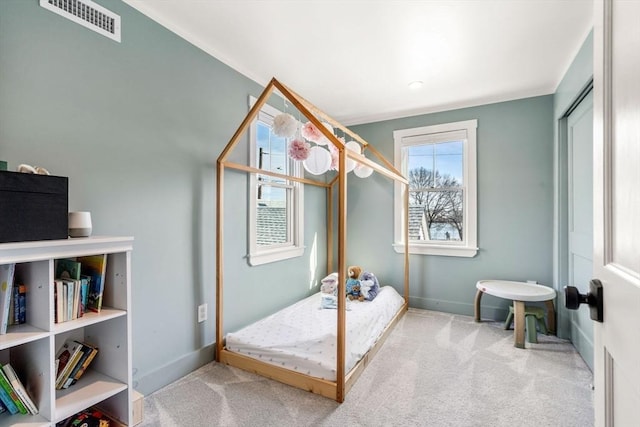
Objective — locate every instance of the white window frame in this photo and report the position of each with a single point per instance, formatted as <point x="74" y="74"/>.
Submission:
<point x="294" y="247"/>
<point x="431" y="134"/>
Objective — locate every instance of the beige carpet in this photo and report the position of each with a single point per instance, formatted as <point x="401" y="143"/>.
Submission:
<point x="435" y="369"/>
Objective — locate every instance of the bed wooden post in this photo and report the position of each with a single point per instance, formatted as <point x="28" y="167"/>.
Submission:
<point x="219" y="267"/>
<point x="329" y="239"/>
<point x="342" y="272"/>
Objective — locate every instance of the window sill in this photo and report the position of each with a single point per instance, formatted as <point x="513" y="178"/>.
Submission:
<point x="432" y="249"/>
<point x="273" y="255"/>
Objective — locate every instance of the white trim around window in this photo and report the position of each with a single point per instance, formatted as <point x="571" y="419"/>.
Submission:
<point x="464" y="131"/>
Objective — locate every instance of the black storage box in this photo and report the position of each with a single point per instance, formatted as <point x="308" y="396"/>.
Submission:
<point x="33" y="207"/>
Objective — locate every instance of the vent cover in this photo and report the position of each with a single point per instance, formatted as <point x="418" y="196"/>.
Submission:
<point x="88" y="14"/>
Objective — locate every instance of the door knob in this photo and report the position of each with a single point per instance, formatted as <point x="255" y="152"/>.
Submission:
<point x="594" y="299"/>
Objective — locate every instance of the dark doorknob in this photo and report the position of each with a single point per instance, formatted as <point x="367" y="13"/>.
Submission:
<point x="594" y="299"/>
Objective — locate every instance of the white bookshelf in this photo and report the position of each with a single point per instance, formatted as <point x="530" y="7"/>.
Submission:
<point x="31" y="347"/>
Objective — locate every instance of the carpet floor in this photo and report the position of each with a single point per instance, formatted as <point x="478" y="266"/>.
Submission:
<point x="435" y="369"/>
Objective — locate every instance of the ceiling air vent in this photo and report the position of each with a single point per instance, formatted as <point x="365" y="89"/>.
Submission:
<point x="88" y="14"/>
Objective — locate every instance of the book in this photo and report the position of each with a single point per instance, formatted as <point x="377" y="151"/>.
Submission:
<point x="2" y="407"/>
<point x="75" y="352"/>
<point x="59" y="300"/>
<point x="94" y="266"/>
<point x="7" y="400"/>
<point x="67" y="269"/>
<point x="67" y="357"/>
<point x="19" y="305"/>
<point x="19" y="388"/>
<point x="6" y="285"/>
<point x="84" y="294"/>
<point x="6" y="386"/>
<point x="89" y="352"/>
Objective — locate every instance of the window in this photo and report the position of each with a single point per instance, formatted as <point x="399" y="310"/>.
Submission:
<point x="440" y="163"/>
<point x="275" y="203"/>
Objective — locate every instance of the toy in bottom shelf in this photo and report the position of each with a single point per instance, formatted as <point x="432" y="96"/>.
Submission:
<point x="91" y="417"/>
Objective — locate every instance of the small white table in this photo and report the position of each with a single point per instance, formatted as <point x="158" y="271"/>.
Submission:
<point x="519" y="292"/>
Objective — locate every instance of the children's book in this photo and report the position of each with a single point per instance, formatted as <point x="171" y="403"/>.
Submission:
<point x="88" y="354"/>
<point x="19" y="389"/>
<point x="6" y="398"/>
<point x="94" y="266"/>
<point x="67" y="269"/>
<point x="6" y="292"/>
<point x="6" y="386"/>
<point x="66" y="356"/>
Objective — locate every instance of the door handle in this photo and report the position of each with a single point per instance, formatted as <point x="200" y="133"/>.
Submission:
<point x="594" y="299"/>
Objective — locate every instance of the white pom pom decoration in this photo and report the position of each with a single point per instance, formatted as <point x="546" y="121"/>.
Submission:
<point x="285" y="125"/>
<point x="318" y="162"/>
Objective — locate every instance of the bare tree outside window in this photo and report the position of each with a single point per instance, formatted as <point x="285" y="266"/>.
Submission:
<point x="441" y="197"/>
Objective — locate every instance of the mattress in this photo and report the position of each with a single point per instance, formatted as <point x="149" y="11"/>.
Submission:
<point x="302" y="337"/>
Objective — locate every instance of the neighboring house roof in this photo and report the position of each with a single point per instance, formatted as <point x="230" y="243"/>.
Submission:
<point x="272" y="225"/>
<point x="416" y="222"/>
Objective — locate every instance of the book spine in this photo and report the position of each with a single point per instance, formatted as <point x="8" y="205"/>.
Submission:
<point x="22" y="305"/>
<point x="6" y="385"/>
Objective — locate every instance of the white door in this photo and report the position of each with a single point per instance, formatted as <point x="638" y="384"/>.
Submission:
<point x="616" y="255"/>
<point x="580" y="224"/>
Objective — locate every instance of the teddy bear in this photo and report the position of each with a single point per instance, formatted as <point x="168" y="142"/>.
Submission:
<point x="353" y="283"/>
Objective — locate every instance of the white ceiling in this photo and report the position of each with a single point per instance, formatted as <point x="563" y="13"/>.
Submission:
<point x="354" y="59"/>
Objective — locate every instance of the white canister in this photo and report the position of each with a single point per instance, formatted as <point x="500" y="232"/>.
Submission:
<point x="79" y="224"/>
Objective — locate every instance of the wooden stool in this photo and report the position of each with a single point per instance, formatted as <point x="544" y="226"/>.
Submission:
<point x="532" y="316"/>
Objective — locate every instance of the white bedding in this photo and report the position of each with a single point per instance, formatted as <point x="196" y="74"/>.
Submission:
<point x="302" y="337"/>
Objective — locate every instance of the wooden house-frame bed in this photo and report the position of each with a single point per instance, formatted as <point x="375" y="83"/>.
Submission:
<point x="344" y="380"/>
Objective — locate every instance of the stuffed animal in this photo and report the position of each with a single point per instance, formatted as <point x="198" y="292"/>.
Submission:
<point x="330" y="284"/>
<point x="369" y="286"/>
<point x="353" y="283"/>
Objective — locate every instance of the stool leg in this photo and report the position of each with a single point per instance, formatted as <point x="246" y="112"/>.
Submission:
<point x="532" y="332"/>
<point x="542" y="325"/>
<point x="518" y="323"/>
<point x="507" y="323"/>
<point x="476" y="305"/>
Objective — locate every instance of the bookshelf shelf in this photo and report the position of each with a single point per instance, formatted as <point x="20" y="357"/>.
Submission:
<point x="31" y="347"/>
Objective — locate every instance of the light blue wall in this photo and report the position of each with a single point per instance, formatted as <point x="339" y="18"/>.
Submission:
<point x="137" y="127"/>
<point x="515" y="208"/>
<point x="574" y="325"/>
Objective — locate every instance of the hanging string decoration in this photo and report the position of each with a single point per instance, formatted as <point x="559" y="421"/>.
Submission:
<point x="285" y="125"/>
<point x="299" y="149"/>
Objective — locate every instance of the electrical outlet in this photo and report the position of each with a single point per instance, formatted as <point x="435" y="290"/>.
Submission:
<point x="202" y="313"/>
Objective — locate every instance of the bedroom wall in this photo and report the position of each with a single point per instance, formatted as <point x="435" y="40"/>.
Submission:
<point x="137" y="127"/>
<point x="515" y="209"/>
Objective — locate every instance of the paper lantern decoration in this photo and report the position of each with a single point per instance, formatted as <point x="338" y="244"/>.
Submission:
<point x="324" y="140"/>
<point x="355" y="147"/>
<point x="362" y="171"/>
<point x="318" y="162"/>
<point x="284" y="125"/>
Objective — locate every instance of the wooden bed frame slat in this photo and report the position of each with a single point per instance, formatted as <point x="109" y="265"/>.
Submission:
<point x="344" y="380"/>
